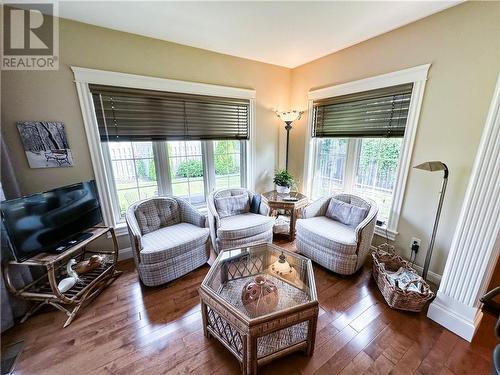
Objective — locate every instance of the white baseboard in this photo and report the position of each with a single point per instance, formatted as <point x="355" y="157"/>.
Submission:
<point x="125" y="253"/>
<point x="433" y="277"/>
<point x="456" y="317"/>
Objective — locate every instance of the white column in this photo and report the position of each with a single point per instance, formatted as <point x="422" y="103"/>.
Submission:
<point x="473" y="253"/>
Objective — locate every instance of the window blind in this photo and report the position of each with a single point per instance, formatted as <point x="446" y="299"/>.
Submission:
<point x="375" y="113"/>
<point x="126" y="114"/>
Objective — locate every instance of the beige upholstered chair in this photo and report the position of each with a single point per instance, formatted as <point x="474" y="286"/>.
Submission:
<point x="232" y="224"/>
<point x="169" y="238"/>
<point x="340" y="247"/>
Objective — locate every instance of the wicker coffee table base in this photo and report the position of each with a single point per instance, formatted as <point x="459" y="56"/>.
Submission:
<point x="266" y="339"/>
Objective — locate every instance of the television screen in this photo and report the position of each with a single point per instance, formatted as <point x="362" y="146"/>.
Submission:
<point x="45" y="222"/>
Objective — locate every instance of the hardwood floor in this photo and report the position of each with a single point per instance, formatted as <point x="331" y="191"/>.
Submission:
<point x="130" y="329"/>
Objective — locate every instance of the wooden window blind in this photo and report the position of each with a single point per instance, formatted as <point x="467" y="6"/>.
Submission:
<point x="126" y="114"/>
<point x="375" y="113"/>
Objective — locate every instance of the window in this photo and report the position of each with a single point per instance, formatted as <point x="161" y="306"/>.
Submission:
<point x="370" y="171"/>
<point x="164" y="143"/>
<point x="227" y="161"/>
<point x="185" y="162"/>
<point x="376" y="166"/>
<point x="134" y="174"/>
<point x="330" y="164"/>
<point x="360" y="140"/>
<point x="188" y="171"/>
<point x="358" y="143"/>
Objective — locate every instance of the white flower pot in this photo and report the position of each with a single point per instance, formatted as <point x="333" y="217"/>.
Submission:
<point x="282" y="189"/>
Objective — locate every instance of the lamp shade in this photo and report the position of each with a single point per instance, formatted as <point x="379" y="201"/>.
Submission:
<point x="289" y="116"/>
<point x="431" y="166"/>
<point x="281" y="266"/>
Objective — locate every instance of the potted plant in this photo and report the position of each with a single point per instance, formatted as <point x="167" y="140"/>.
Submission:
<point x="283" y="181"/>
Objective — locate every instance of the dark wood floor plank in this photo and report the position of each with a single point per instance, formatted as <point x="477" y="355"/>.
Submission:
<point x="359" y="365"/>
<point x="435" y="360"/>
<point x="365" y="318"/>
<point x="397" y="346"/>
<point x="326" y="351"/>
<point x="410" y="361"/>
<point x="381" y="366"/>
<point x="354" y="311"/>
<point x="352" y="348"/>
<point x="463" y="360"/>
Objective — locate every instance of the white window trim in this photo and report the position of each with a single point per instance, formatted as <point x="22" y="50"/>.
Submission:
<point x="85" y="76"/>
<point x="416" y="75"/>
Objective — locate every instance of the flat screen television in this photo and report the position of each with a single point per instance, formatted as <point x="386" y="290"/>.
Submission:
<point x="51" y="221"/>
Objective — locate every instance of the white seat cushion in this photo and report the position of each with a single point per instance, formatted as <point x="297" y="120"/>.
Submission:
<point x="171" y="241"/>
<point x="244" y="225"/>
<point x="328" y="233"/>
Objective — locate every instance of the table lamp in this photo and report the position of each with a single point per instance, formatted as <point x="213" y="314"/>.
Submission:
<point x="433" y="166"/>
<point x="281" y="266"/>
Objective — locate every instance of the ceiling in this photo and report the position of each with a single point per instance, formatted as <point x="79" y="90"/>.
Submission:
<point x="281" y="33"/>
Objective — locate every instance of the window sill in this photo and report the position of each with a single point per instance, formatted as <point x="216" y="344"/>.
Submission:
<point x="121" y="229"/>
<point x="386" y="233"/>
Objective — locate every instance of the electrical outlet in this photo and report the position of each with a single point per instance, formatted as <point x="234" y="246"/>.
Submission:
<point x="413" y="240"/>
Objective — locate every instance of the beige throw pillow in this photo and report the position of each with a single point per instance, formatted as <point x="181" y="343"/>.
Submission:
<point x="345" y="213"/>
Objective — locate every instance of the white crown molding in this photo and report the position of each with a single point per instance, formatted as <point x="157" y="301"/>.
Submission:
<point x="414" y="74"/>
<point x="473" y="253"/>
<point x="103" y="77"/>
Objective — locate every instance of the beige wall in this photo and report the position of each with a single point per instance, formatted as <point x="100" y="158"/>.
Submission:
<point x="463" y="46"/>
<point x="43" y="95"/>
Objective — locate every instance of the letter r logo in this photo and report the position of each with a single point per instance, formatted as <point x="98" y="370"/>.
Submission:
<point x="28" y="29"/>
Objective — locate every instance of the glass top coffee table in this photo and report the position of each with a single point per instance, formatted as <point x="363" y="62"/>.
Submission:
<point x="260" y="302"/>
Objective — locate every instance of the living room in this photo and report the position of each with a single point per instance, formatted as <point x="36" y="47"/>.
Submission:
<point x="206" y="135"/>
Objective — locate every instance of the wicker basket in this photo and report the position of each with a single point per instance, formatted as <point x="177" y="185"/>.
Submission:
<point x="394" y="296"/>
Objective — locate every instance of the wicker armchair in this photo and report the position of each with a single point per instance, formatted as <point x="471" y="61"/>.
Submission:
<point x="332" y="244"/>
<point x="169" y="239"/>
<point x="241" y="227"/>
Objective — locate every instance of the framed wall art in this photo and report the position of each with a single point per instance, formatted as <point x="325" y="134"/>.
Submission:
<point x="45" y="143"/>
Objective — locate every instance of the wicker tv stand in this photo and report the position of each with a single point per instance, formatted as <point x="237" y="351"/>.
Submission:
<point x="44" y="291"/>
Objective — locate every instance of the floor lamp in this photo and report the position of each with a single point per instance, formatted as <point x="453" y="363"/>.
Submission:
<point x="288" y="118"/>
<point x="433" y="166"/>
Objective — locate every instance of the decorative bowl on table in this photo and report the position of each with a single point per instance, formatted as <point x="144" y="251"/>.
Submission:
<point x="260" y="296"/>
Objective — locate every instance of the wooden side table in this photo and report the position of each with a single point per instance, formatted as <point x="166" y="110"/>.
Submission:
<point x="291" y="203"/>
<point x="44" y="291"/>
